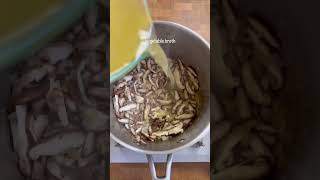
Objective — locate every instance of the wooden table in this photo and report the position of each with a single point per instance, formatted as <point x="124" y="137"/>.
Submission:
<point x="194" y="14"/>
<point x="180" y="171"/>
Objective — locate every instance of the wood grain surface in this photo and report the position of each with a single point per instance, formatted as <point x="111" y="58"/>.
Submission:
<point x="194" y="14"/>
<point x="180" y="171"/>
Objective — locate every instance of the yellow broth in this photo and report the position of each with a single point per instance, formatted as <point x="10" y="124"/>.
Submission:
<point x="130" y="32"/>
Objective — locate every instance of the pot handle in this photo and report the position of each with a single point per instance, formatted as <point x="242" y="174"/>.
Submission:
<point x="153" y="169"/>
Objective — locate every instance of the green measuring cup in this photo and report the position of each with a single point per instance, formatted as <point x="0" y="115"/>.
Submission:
<point x="126" y="69"/>
<point x="121" y="23"/>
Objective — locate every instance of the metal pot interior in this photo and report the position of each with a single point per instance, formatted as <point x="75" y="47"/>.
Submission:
<point x="192" y="51"/>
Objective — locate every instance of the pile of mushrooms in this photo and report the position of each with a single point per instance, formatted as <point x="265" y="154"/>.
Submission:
<point x="149" y="107"/>
<point x="59" y="107"/>
<point x="249" y="81"/>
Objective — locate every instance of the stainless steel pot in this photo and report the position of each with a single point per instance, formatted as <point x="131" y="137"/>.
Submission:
<point x="195" y="51"/>
<point x="296" y="23"/>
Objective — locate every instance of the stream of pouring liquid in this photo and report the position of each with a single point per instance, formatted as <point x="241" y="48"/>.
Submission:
<point x="162" y="60"/>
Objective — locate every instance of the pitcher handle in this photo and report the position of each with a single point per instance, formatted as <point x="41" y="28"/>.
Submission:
<point x="153" y="168"/>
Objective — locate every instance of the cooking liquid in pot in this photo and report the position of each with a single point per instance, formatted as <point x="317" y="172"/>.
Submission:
<point x="130" y="35"/>
<point x="17" y="16"/>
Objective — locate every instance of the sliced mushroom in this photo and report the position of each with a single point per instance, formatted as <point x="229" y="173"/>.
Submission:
<point x="164" y="102"/>
<point x="272" y="66"/>
<point x="265" y="128"/>
<point x="57" y="171"/>
<point x="99" y="92"/>
<point x="217" y="109"/>
<point x="14" y="130"/>
<point x="64" y="160"/>
<point x="128" y="78"/>
<point x="100" y="77"/>
<point x="84" y="96"/>
<point x="176" y="95"/>
<point x="38" y="171"/>
<point x="91" y="43"/>
<point x="150" y="67"/>
<point x="252" y="88"/>
<point x="192" y="71"/>
<point x="146" y="113"/>
<point x="177" y="129"/>
<point x="38" y="106"/>
<point x="91" y="19"/>
<point x="152" y="82"/>
<point x="38" y="126"/>
<point x="243" y="172"/>
<point x="180" y="110"/>
<point x="22" y="140"/>
<point x="58" y="144"/>
<point x="128" y="107"/>
<point x="34" y="75"/>
<point x="243" y="104"/>
<point x="186" y="95"/>
<point x="189" y="90"/>
<point x="230" y="18"/>
<point x="121" y="102"/>
<point x="263" y="32"/>
<point x="31" y="94"/>
<point x="160" y="133"/>
<point x="93" y="120"/>
<point x="222" y="74"/>
<point x="177" y="78"/>
<point x="220" y="130"/>
<point x="56" y="103"/>
<point x="144" y="91"/>
<point x="229" y="142"/>
<point x="89" y="144"/>
<point x="139" y="99"/>
<point x="178" y="103"/>
<point x="127" y="92"/>
<point x="258" y="43"/>
<point x="57" y="52"/>
<point x="184" y="116"/>
<point x="92" y="158"/>
<point x="194" y="81"/>
<point x="181" y="66"/>
<point x="124" y="121"/>
<point x="268" y="139"/>
<point x="259" y="148"/>
<point x="116" y="104"/>
<point x="71" y="105"/>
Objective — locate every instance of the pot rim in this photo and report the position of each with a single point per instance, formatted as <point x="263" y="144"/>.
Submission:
<point x="196" y="139"/>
